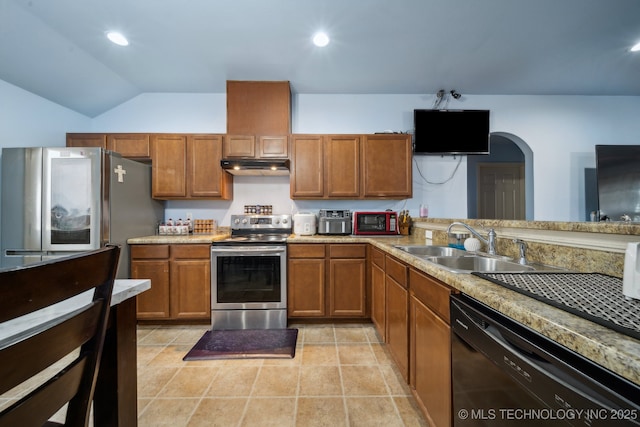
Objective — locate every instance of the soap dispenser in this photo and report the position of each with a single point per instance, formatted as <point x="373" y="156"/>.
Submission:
<point x="631" y="277"/>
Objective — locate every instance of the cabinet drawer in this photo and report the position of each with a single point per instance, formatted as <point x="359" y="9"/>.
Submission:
<point x="306" y="251"/>
<point x="150" y="251"/>
<point x="191" y="251"/>
<point x="347" y="251"/>
<point x="396" y="270"/>
<point x="377" y="257"/>
<point x="430" y="292"/>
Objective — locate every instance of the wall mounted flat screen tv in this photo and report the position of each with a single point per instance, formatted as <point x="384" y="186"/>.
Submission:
<point x="438" y="132"/>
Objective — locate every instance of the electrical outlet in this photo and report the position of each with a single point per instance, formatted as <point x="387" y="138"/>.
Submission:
<point x="428" y="234"/>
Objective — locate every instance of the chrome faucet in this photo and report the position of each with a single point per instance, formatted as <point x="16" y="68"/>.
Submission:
<point x="490" y="241"/>
<point x="523" y="251"/>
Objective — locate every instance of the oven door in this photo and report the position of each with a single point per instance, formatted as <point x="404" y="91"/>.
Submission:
<point x="248" y="277"/>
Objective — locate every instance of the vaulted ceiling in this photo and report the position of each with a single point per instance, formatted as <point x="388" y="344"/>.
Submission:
<point x="57" y="49"/>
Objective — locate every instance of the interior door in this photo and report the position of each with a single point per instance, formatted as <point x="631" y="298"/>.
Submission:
<point x="501" y="191"/>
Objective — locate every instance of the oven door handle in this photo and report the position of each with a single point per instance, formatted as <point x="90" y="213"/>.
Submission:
<point x="249" y="249"/>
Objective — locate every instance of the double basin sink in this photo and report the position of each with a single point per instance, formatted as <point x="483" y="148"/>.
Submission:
<point x="461" y="261"/>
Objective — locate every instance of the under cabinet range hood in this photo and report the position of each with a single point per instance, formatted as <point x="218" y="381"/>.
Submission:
<point x="266" y="167"/>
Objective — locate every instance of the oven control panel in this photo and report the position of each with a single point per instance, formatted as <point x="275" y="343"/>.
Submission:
<point x="260" y="222"/>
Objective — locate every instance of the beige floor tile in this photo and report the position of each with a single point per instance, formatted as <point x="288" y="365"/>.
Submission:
<point x="277" y="381"/>
<point x="152" y="380"/>
<point x="321" y="412"/>
<point x="167" y="412"/>
<point x="218" y="412"/>
<point x="189" y="382"/>
<point x="341" y="376"/>
<point x="161" y="336"/>
<point x="190" y="335"/>
<point x="372" y="412"/>
<point x="363" y="380"/>
<point x="319" y="334"/>
<point x="409" y="412"/>
<point x="266" y="412"/>
<point x="320" y="354"/>
<point x="233" y="381"/>
<point x="142" y="403"/>
<point x="170" y="356"/>
<point x="356" y="354"/>
<point x="147" y="352"/>
<point x="397" y="385"/>
<point x="350" y="334"/>
<point x="320" y="381"/>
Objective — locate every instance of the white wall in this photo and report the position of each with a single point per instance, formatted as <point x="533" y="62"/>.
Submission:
<point x="561" y="130"/>
<point x="27" y="120"/>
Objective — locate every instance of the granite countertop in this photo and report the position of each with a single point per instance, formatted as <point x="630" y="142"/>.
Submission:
<point x="613" y="350"/>
<point x="123" y="289"/>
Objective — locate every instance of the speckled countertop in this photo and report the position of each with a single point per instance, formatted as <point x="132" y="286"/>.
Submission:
<point x="604" y="346"/>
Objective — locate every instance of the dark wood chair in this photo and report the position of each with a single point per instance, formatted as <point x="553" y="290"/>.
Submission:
<point x="25" y="290"/>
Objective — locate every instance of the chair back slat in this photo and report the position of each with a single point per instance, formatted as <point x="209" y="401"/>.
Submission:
<point x="59" y="341"/>
<point x="46" y="399"/>
<point x="35" y="288"/>
<point x="82" y="324"/>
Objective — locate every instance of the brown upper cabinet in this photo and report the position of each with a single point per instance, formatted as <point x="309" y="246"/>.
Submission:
<point x="182" y="167"/>
<point x="256" y="147"/>
<point x="258" y="108"/>
<point x="130" y="145"/>
<point x="351" y="166"/>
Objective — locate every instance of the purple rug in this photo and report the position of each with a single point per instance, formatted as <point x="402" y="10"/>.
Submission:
<point x="245" y="344"/>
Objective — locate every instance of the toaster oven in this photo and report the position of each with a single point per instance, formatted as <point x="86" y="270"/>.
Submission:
<point x="375" y="223"/>
<point x="334" y="221"/>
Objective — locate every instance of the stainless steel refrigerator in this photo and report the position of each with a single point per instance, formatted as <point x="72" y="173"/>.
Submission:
<point x="61" y="201"/>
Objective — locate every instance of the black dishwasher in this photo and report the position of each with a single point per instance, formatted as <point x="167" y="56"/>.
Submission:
<point x="506" y="374"/>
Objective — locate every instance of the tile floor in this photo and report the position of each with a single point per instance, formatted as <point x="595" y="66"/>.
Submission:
<point x="341" y="376"/>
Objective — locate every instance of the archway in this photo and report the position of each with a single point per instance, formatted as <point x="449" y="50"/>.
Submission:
<point x="505" y="147"/>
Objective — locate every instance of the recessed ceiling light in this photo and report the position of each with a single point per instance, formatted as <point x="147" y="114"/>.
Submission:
<point x="117" y="38"/>
<point x="635" y="48"/>
<point x="320" y="39"/>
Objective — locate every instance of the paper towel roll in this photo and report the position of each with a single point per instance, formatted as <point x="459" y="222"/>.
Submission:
<point x="472" y="244"/>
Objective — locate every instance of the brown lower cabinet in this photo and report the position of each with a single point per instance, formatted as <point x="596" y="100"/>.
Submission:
<point x="430" y="347"/>
<point x="327" y="281"/>
<point x="378" y="293"/>
<point x="397" y="312"/>
<point x="180" y="281"/>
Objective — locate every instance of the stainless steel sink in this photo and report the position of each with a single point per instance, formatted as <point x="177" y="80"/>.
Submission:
<point x="433" y="251"/>
<point x="467" y="264"/>
<point x="461" y="261"/>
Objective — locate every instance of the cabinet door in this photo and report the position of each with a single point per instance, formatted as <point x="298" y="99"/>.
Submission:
<point x="240" y="146"/>
<point x="397" y="317"/>
<point x="347" y="284"/>
<point x="169" y="157"/>
<point x="306" y="287"/>
<point x="153" y="303"/>
<point x="130" y="145"/>
<point x="276" y="147"/>
<point x="258" y="107"/>
<point x="386" y="166"/>
<point x="378" y="300"/>
<point x="307" y="167"/>
<point x="431" y="363"/>
<point x="206" y="178"/>
<point x="191" y="289"/>
<point x="342" y="166"/>
<point x="87" y="140"/>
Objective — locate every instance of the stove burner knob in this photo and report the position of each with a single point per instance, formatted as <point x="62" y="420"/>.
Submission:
<point x="236" y="221"/>
<point x="245" y="220"/>
<point x="284" y="220"/>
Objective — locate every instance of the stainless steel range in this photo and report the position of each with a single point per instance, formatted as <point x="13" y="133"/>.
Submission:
<point x="249" y="274"/>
